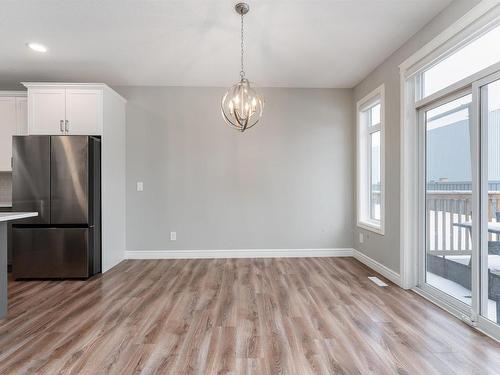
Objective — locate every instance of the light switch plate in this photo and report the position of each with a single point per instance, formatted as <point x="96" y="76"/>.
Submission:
<point x="140" y="186"/>
<point x="173" y="236"/>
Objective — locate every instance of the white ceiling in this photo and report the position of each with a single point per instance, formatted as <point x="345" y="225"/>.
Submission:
<point x="289" y="43"/>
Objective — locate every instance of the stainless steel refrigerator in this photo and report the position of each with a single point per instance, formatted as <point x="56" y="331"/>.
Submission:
<point x="60" y="178"/>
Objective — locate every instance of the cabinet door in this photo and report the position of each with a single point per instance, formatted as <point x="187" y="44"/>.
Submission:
<point x="7" y="130"/>
<point x="22" y="116"/>
<point x="83" y="111"/>
<point x="47" y="109"/>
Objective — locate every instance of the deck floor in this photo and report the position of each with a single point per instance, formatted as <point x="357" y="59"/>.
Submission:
<point x="238" y="316"/>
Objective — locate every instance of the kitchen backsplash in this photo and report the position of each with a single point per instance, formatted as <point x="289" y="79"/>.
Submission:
<point x="5" y="187"/>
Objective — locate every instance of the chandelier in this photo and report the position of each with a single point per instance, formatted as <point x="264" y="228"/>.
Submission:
<point x="242" y="106"/>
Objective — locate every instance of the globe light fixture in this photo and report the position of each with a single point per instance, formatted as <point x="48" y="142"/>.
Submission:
<point x="242" y="106"/>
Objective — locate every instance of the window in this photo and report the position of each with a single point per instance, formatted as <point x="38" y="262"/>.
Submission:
<point x="475" y="56"/>
<point x="370" y="200"/>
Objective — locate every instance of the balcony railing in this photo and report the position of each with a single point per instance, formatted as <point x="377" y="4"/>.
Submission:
<point x="445" y="209"/>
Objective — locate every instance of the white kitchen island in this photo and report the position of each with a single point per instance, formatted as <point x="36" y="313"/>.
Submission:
<point x="5" y="217"/>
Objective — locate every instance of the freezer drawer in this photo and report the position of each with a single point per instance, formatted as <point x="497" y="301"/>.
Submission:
<point x="50" y="252"/>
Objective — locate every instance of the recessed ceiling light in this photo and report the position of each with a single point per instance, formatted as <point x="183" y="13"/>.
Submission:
<point x="37" y="47"/>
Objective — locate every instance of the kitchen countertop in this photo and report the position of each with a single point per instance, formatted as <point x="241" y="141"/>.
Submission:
<point x="7" y="216"/>
<point x="4" y="218"/>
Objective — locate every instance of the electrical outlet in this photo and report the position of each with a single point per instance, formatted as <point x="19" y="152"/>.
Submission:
<point x="361" y="238"/>
<point x="140" y="186"/>
<point x="173" y="236"/>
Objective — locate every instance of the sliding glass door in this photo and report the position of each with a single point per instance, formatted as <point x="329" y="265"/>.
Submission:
<point x="455" y="91"/>
<point x="459" y="172"/>
<point x="447" y="199"/>
<point x="488" y="96"/>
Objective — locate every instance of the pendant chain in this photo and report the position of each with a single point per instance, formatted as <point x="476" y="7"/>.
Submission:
<point x="242" y="72"/>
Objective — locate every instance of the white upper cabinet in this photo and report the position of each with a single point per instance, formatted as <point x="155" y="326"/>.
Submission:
<point x="65" y="109"/>
<point x="7" y="130"/>
<point x="13" y="121"/>
<point x="83" y="111"/>
<point x="47" y="111"/>
<point x="22" y="115"/>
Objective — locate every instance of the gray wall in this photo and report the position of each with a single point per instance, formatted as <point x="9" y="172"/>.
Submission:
<point x="287" y="183"/>
<point x="385" y="249"/>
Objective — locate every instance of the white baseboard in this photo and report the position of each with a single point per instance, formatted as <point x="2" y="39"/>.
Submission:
<point x="241" y="253"/>
<point x="378" y="267"/>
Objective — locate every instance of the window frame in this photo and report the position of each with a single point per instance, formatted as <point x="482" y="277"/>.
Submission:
<point x="363" y="156"/>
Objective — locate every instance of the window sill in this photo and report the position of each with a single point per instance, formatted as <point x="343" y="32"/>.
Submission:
<point x="372" y="227"/>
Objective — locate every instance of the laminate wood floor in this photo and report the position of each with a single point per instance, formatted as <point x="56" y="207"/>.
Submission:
<point x="234" y="316"/>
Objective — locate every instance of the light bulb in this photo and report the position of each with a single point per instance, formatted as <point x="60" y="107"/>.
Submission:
<point x="242" y="106"/>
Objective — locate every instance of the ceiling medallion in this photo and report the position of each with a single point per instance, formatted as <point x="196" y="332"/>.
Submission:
<point x="242" y="106"/>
